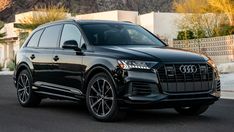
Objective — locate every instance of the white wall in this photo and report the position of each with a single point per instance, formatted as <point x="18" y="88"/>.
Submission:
<point x="9" y="30"/>
<point x="147" y="21"/>
<point x="130" y="16"/>
<point x="116" y="15"/>
<point x="166" y="24"/>
<point x="109" y="15"/>
<point x="161" y="24"/>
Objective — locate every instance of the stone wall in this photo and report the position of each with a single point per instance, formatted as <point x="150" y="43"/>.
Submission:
<point x="220" y="49"/>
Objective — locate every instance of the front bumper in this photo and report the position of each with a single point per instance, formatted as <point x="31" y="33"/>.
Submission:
<point x="143" y="89"/>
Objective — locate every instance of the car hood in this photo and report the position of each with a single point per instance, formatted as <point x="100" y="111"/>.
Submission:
<point x="165" y="54"/>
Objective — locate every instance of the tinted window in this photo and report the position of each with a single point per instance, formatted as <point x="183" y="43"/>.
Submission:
<point x="50" y="37"/>
<point x="119" y="34"/>
<point x="70" y="32"/>
<point x="33" y="42"/>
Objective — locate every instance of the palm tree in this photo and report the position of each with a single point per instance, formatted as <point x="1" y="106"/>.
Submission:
<point x="43" y="14"/>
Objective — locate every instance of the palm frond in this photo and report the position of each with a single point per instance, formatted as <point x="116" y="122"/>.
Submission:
<point x="43" y="14"/>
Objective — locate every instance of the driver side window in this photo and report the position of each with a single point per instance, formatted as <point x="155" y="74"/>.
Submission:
<point x="70" y="32"/>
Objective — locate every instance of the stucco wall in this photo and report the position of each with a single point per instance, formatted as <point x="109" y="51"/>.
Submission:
<point x="9" y="30"/>
<point x="147" y="21"/>
<point x="116" y="15"/>
<point x="166" y="24"/>
<point x="110" y="15"/>
<point x="130" y="16"/>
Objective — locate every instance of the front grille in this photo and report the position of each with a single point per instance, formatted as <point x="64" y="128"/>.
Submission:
<point x="174" y="81"/>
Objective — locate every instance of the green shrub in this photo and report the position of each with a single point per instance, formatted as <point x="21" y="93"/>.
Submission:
<point x="226" y="30"/>
<point x="11" y="65"/>
<point x="184" y="35"/>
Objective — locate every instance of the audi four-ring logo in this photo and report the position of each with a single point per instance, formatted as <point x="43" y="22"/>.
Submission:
<point x="188" y="69"/>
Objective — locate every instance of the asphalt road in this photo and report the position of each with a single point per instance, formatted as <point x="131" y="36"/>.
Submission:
<point x="65" y="116"/>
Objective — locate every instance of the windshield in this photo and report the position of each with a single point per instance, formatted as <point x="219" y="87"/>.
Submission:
<point x="100" y="34"/>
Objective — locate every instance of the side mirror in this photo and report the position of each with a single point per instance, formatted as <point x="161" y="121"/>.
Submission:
<point x="71" y="44"/>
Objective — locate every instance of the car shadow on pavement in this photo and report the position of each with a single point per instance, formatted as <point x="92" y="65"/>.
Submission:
<point x="164" y="116"/>
<point x="149" y="116"/>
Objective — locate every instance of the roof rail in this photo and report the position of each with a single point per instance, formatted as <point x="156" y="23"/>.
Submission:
<point x="127" y="21"/>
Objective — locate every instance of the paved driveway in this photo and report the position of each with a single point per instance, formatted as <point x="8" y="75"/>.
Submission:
<point x="65" y="116"/>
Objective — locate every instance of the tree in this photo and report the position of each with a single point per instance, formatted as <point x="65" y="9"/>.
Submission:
<point x="190" y="6"/>
<point x="200" y="17"/>
<point x="2" y="35"/>
<point x="223" y="6"/>
<point x="43" y="14"/>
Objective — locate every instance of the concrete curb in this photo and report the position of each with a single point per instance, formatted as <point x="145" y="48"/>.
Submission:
<point x="227" y="94"/>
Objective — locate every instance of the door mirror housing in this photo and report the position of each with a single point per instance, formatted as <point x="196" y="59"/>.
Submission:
<point x="71" y="44"/>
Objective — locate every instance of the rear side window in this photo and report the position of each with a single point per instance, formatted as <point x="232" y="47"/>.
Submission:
<point x="70" y="32"/>
<point x="49" y="38"/>
<point x="33" y="42"/>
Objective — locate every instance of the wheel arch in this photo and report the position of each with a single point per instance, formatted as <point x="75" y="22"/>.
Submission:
<point x="99" y="68"/>
<point x="22" y="66"/>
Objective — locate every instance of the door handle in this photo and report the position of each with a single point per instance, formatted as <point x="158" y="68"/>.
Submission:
<point x="32" y="56"/>
<point x="56" y="58"/>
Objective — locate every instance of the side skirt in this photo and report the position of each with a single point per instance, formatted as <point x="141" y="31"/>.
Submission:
<point x="57" y="96"/>
<point x="57" y="91"/>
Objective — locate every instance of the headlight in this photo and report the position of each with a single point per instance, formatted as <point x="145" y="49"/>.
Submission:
<point x="216" y="72"/>
<point x="133" y="64"/>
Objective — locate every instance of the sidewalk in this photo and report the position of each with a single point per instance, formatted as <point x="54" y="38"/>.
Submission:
<point x="227" y="85"/>
<point x="6" y="72"/>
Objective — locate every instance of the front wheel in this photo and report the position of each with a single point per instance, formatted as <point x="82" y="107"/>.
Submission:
<point x="193" y="110"/>
<point x="101" y="99"/>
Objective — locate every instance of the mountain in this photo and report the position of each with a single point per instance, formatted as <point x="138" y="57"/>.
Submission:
<point x="88" y="6"/>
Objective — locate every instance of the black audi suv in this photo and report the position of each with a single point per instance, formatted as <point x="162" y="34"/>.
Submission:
<point x="112" y="66"/>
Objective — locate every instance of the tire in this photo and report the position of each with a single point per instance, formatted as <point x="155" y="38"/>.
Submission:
<point x="193" y="110"/>
<point x="25" y="95"/>
<point x="101" y="99"/>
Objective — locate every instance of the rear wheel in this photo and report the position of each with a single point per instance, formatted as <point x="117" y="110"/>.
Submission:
<point x="101" y="99"/>
<point x="25" y="94"/>
<point x="193" y="110"/>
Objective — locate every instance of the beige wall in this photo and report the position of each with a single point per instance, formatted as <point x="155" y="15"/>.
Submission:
<point x="161" y="24"/>
<point x="110" y="15"/>
<point x="116" y="15"/>
<point x="7" y="50"/>
<point x="166" y="24"/>
<point x="1" y="54"/>
<point x="147" y="21"/>
<point x="130" y="16"/>
<point x="9" y="30"/>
